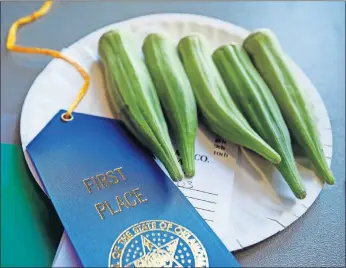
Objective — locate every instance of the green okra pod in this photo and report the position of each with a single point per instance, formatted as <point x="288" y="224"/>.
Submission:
<point x="175" y="93"/>
<point x="217" y="107"/>
<point x="133" y="94"/>
<point x="258" y="105"/>
<point x="280" y="74"/>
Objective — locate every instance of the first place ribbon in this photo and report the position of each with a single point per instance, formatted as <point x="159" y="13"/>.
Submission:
<point x="11" y="46"/>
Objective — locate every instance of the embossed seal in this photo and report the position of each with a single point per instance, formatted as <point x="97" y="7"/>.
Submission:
<point x="157" y="243"/>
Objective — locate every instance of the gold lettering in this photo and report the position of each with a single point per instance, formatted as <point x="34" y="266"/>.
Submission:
<point x="102" y="179"/>
<point x="122" y="240"/>
<point x="96" y="183"/>
<point x="116" y="252"/>
<point x="121" y="203"/>
<point x="87" y="185"/>
<point x="136" y="229"/>
<point x="185" y="234"/>
<point x="115" y="179"/>
<point x="105" y="180"/>
<point x="125" y="237"/>
<point x="163" y="225"/>
<point x="139" y="196"/>
<point x="153" y="224"/>
<point x="127" y="200"/>
<point x="177" y="230"/>
<point x="119" y="170"/>
<point x="110" y="208"/>
<point x="100" y="210"/>
<point x="128" y="235"/>
<point x="145" y="227"/>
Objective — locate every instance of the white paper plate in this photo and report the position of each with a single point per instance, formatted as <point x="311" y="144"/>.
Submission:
<point x="262" y="204"/>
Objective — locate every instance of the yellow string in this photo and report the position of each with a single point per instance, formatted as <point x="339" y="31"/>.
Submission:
<point x="11" y="45"/>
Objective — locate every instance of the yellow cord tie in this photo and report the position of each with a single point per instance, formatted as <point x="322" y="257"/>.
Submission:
<point x="11" y="45"/>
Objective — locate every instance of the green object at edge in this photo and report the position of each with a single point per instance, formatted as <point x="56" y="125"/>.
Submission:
<point x="30" y="227"/>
